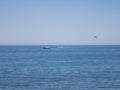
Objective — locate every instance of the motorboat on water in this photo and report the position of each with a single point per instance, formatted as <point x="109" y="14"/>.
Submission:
<point x="46" y="47"/>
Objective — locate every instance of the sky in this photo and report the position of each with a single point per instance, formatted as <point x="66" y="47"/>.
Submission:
<point x="59" y="22"/>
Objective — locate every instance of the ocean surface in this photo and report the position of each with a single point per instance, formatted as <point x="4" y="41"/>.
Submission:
<point x="60" y="68"/>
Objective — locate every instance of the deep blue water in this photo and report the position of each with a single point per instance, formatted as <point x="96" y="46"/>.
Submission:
<point x="60" y="68"/>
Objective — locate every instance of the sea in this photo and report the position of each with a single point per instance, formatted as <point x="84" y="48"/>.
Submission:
<point x="69" y="67"/>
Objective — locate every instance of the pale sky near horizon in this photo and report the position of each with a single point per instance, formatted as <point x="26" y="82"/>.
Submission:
<point x="76" y="22"/>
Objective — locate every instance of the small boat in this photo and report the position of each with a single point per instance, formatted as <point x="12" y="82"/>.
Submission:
<point x="46" y="47"/>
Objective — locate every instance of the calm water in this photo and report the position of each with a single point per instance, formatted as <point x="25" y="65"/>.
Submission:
<point x="60" y="68"/>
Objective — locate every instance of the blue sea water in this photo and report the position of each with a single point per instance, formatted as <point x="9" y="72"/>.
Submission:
<point x="60" y="68"/>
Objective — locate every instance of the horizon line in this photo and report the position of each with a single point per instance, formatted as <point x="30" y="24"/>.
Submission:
<point x="60" y="45"/>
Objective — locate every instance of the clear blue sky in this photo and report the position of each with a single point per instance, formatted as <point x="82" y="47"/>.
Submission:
<point x="35" y="22"/>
